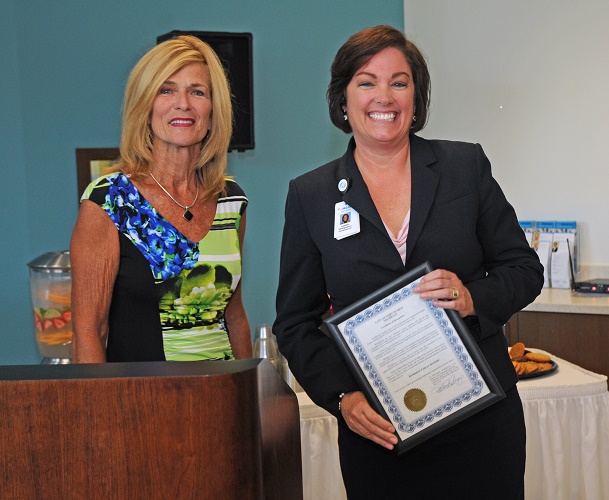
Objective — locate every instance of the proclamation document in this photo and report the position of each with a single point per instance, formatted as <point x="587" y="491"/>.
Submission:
<point x="417" y="363"/>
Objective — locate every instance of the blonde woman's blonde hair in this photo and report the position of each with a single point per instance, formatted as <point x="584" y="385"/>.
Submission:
<point x="145" y="80"/>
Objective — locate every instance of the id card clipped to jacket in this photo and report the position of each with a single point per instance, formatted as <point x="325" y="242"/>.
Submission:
<point x="346" y="221"/>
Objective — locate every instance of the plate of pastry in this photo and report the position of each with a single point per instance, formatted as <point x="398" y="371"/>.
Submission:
<point x="530" y="364"/>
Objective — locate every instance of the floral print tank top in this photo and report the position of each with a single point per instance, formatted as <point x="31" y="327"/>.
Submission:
<point x="171" y="293"/>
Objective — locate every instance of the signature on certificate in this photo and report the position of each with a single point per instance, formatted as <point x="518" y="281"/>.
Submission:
<point x="448" y="383"/>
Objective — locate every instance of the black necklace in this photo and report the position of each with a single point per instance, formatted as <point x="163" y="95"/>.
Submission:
<point x="187" y="213"/>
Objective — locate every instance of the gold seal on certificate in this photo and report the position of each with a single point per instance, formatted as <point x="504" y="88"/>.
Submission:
<point x="415" y="399"/>
<point x="417" y="363"/>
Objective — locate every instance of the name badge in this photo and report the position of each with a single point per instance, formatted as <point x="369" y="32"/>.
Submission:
<point x="346" y="221"/>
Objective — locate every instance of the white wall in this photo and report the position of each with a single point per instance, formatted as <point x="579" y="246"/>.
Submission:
<point x="529" y="80"/>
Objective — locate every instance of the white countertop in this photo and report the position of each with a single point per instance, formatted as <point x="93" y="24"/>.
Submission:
<point x="561" y="300"/>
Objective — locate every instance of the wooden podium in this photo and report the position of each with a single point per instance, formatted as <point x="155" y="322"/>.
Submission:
<point x="196" y="430"/>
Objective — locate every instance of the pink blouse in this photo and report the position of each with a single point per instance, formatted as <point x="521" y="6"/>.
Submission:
<point x="400" y="240"/>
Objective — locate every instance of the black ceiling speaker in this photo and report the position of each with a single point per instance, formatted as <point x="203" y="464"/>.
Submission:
<point x="235" y="52"/>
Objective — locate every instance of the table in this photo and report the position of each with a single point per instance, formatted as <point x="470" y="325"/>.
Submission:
<point x="567" y="420"/>
<point x="321" y="477"/>
<point x="570" y="326"/>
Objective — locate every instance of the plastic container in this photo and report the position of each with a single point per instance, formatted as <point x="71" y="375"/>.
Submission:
<point x="50" y="287"/>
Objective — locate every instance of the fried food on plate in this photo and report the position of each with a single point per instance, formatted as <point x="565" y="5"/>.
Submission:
<point x="526" y="361"/>
<point x="517" y="350"/>
<point x="538" y="357"/>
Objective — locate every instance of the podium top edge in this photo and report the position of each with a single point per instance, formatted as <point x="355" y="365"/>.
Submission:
<point x="126" y="370"/>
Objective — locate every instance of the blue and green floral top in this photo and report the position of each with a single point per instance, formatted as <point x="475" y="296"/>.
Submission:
<point x="170" y="294"/>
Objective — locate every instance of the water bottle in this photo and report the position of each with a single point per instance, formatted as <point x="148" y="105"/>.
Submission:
<point x="265" y="346"/>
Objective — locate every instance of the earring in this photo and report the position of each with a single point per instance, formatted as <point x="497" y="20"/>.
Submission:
<point x="345" y="116"/>
<point x="414" y="118"/>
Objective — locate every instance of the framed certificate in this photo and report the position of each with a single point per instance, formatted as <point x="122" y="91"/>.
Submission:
<point x="417" y="364"/>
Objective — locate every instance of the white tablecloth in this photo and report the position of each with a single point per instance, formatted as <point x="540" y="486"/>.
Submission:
<point x="321" y="477"/>
<point x="567" y="420"/>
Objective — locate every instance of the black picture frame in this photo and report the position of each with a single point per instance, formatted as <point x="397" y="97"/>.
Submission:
<point x="372" y="384"/>
<point x="84" y="162"/>
<point x="235" y="51"/>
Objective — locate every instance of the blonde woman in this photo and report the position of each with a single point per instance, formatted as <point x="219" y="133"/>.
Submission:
<point x="156" y="249"/>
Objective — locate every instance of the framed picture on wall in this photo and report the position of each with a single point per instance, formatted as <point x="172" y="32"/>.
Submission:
<point x="91" y="164"/>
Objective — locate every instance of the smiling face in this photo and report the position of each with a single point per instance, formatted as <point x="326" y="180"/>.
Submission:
<point x="380" y="101"/>
<point x="181" y="111"/>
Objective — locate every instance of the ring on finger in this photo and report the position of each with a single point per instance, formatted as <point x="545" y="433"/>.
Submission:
<point x="455" y="294"/>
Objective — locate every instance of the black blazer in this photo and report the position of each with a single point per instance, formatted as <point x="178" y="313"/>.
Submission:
<point x="460" y="221"/>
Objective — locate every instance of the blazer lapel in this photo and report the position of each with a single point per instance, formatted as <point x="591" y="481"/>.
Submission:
<point x="358" y="196"/>
<point x="424" y="183"/>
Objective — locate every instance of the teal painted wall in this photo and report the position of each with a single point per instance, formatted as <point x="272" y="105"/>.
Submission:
<point x="17" y="343"/>
<point x="64" y="66"/>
